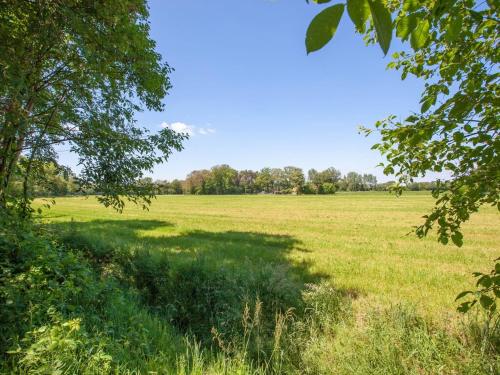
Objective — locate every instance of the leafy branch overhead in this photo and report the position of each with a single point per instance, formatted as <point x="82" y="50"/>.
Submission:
<point x="323" y="27"/>
<point x="453" y="47"/>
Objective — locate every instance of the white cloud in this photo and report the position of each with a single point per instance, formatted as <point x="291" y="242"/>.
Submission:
<point x="191" y="130"/>
<point x="179" y="127"/>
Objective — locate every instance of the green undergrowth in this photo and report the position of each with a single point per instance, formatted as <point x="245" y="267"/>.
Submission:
<point x="75" y="306"/>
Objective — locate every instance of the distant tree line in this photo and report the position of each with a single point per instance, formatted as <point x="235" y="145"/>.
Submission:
<point x="223" y="179"/>
<point x="54" y="179"/>
<point x="47" y="179"/>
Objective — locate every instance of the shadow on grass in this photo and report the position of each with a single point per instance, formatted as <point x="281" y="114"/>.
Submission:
<point x="210" y="275"/>
<point x="225" y="249"/>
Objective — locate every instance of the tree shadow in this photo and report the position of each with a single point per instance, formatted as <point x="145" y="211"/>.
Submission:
<point x="223" y="249"/>
<point x="211" y="275"/>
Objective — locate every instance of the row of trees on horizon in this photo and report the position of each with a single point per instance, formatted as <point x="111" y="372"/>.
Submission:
<point x="223" y="179"/>
<point x="58" y="180"/>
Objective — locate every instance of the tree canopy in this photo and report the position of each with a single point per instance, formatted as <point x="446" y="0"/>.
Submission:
<point x="75" y="72"/>
<point x="453" y="47"/>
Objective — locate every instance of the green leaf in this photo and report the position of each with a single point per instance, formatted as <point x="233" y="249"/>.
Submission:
<point x="383" y="24"/>
<point x="420" y="35"/>
<point x="486" y="301"/>
<point x="458" y="137"/>
<point x="323" y="27"/>
<point x="454" y="27"/>
<point x="359" y="11"/>
<point x="458" y="239"/>
<point x="463" y="294"/>
<point x="460" y="107"/>
<point x="426" y="105"/>
<point x="410" y="5"/>
<point x="485" y="281"/>
<point x="443" y="240"/>
<point x="464" y="307"/>
<point x="405" y="26"/>
<point x="496" y="280"/>
<point x="412" y="118"/>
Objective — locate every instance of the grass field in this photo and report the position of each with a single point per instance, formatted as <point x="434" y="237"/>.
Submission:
<point x="358" y="241"/>
<point x="274" y="285"/>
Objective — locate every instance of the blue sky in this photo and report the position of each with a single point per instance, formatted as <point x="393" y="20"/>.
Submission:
<point x="242" y="76"/>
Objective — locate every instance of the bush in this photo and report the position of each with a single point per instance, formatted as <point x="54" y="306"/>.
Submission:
<point x="61" y="347"/>
<point x="59" y="314"/>
<point x="328" y="188"/>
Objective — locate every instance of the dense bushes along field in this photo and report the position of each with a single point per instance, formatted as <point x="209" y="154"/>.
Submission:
<point x="72" y="306"/>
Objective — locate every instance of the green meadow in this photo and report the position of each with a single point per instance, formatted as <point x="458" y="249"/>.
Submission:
<point x="259" y="284"/>
<point x="360" y="242"/>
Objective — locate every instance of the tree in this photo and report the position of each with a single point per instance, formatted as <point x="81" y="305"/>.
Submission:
<point x="330" y="175"/>
<point x="222" y="179"/>
<point x="47" y="178"/>
<point x="247" y="181"/>
<point x="279" y="181"/>
<point x="166" y="187"/>
<point x="318" y="179"/>
<point x="196" y="182"/>
<point x="75" y="72"/>
<point x="369" y="182"/>
<point x="453" y="46"/>
<point x="264" y="181"/>
<point x="176" y="187"/>
<point x="294" y="177"/>
<point x="353" y="181"/>
<point x="328" y="188"/>
<point x="314" y="178"/>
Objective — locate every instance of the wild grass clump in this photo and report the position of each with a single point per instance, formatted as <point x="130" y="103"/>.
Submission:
<point x="399" y="341"/>
<point x="482" y="331"/>
<point x="202" y="297"/>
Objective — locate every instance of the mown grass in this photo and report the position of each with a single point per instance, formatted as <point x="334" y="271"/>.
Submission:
<point x="360" y="241"/>
<point x="251" y="285"/>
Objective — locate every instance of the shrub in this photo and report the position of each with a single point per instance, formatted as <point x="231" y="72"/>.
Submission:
<point x="59" y="314"/>
<point x="328" y="188"/>
<point x="61" y="347"/>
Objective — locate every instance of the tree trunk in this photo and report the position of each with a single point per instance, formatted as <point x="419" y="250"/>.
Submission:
<point x="14" y="136"/>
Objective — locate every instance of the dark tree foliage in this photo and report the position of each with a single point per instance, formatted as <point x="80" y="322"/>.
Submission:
<point x="75" y="72"/>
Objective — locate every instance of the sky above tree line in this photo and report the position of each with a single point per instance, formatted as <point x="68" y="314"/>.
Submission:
<point x="250" y="97"/>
